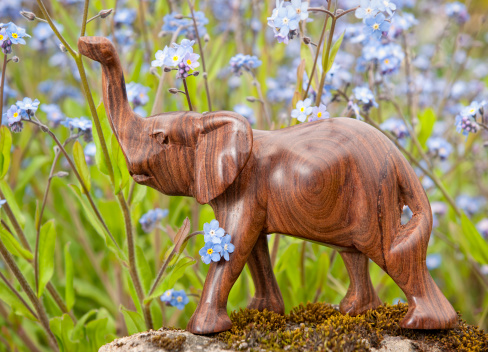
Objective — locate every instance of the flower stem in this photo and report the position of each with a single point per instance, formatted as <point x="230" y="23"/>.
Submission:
<point x="41" y="313"/>
<point x="2" y="85"/>
<point x="320" y="88"/>
<point x="190" y="107"/>
<point x="16" y="293"/>
<point x="202" y="55"/>
<point x="85" y="16"/>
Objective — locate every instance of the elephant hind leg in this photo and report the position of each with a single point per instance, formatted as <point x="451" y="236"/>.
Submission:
<point x="268" y="294"/>
<point x="361" y="295"/>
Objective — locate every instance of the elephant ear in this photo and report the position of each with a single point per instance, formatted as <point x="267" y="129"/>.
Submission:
<point x="224" y="147"/>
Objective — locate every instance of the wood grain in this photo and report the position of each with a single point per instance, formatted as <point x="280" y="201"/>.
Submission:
<point x="338" y="182"/>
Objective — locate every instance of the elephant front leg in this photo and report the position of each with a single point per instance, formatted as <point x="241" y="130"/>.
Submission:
<point x="268" y="295"/>
<point x="211" y="313"/>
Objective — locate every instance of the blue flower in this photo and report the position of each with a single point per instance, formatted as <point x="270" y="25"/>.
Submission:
<point x="161" y="57"/>
<point x="319" y="113"/>
<point x="185" y="44"/>
<point x="90" y="152"/>
<point x="28" y="107"/>
<point x="2" y="202"/>
<point x="439" y="147"/>
<point x="81" y="123"/>
<point x="387" y="5"/>
<point x="16" y="34"/>
<point x="179" y="299"/>
<point x="365" y="96"/>
<point x="302" y="110"/>
<point x="433" y="261"/>
<point x="125" y="16"/>
<point x="240" y="61"/>
<point x="367" y="9"/>
<point x="473" y="109"/>
<point x="150" y="220"/>
<point x="245" y="111"/>
<point x="53" y="112"/>
<point x="457" y="11"/>
<point x="471" y="205"/>
<point x="301" y="9"/>
<point x="210" y="252"/>
<point x="14" y="119"/>
<point x="171" y="24"/>
<point x="286" y="20"/>
<point x="175" y="55"/>
<point x="396" y="127"/>
<point x="482" y="227"/>
<point x="213" y="232"/>
<point x="3" y="36"/>
<point x="227" y="247"/>
<point x="375" y="26"/>
<point x="167" y="296"/>
<point x="189" y="62"/>
<point x="137" y="94"/>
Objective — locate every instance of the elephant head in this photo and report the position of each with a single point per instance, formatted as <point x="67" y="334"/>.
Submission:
<point x="177" y="153"/>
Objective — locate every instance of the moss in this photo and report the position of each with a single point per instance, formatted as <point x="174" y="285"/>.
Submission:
<point x="320" y="327"/>
<point x="168" y="343"/>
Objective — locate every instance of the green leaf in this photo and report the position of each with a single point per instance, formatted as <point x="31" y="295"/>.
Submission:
<point x="121" y="173"/>
<point x="28" y="173"/>
<point x="306" y="55"/>
<point x="14" y="302"/>
<point x="172" y="277"/>
<point x="12" y="203"/>
<point x="333" y="53"/>
<point x="5" y="146"/>
<point x="143" y="268"/>
<point x="133" y="320"/>
<point x="427" y="120"/>
<point x="96" y="333"/>
<point x="69" y="291"/>
<point x="62" y="328"/>
<point x="13" y="246"/>
<point x="107" y="133"/>
<point x="81" y="166"/>
<point x="47" y="245"/>
<point x="472" y="242"/>
<point x="79" y="330"/>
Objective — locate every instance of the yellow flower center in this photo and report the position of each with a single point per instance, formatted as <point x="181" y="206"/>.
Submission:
<point x="225" y="247"/>
<point x="175" y="58"/>
<point x="141" y="95"/>
<point x="369" y="10"/>
<point x="285" y="20"/>
<point x="188" y="62"/>
<point x="15" y="35"/>
<point x="299" y="10"/>
<point x="212" y="233"/>
<point x="319" y="114"/>
<point x="472" y="111"/>
<point x="179" y="299"/>
<point x="387" y="61"/>
<point x="168" y="293"/>
<point x="302" y="109"/>
<point x="209" y="251"/>
<point x="376" y="26"/>
<point x="16" y="114"/>
<point x="1" y="37"/>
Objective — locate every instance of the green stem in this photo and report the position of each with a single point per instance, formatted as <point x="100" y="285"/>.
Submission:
<point x="41" y="313"/>
<point x="320" y="88"/>
<point x="2" y="85"/>
<point x="85" y="16"/>
<point x="209" y="103"/>
<point x="190" y="107"/>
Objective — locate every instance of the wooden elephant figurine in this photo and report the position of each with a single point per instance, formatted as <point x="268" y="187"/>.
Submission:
<point x="339" y="182"/>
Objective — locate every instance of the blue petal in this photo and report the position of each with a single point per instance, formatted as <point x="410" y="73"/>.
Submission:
<point x="230" y="248"/>
<point x="216" y="240"/>
<point x="206" y="259"/>
<point x="206" y="227"/>
<point x="215" y="257"/>
<point x="214" y="224"/>
<point x="220" y="232"/>
<point x="226" y="256"/>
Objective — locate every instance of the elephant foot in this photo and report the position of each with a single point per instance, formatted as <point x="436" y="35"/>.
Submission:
<point x="354" y="305"/>
<point x="428" y="316"/>
<point x="272" y="305"/>
<point x="209" y="322"/>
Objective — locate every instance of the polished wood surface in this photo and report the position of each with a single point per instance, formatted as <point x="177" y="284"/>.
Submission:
<point x="338" y="182"/>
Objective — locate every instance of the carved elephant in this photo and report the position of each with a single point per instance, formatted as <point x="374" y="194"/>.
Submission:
<point x="338" y="182"/>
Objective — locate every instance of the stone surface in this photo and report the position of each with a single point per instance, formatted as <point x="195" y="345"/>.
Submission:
<point x="149" y="342"/>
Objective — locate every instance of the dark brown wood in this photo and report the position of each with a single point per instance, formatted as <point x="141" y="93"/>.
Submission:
<point x="338" y="182"/>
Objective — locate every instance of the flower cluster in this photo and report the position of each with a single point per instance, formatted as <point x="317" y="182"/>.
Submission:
<point x="137" y="96"/>
<point x="175" y="22"/>
<point x="152" y="218"/>
<point x="82" y="125"/>
<point x="180" y="56"/>
<point x="11" y="34"/>
<point x="375" y="22"/>
<point x="2" y="202"/>
<point x="396" y="127"/>
<point x="466" y="120"/>
<point x="245" y="111"/>
<point x="303" y="109"/>
<point x="286" y="17"/>
<point x="177" y="299"/>
<point x="439" y="147"/>
<point x="23" y="109"/>
<point x="217" y="243"/>
<point x="457" y="11"/>
<point x="365" y="98"/>
<point x="246" y="62"/>
<point x="53" y="112"/>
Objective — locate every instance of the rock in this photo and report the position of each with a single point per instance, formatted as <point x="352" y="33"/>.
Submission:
<point x="401" y="344"/>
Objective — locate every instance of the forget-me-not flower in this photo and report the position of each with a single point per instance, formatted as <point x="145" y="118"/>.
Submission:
<point x="433" y="261"/>
<point x="301" y="9"/>
<point x="482" y="227"/>
<point x="175" y="55"/>
<point x="375" y="26"/>
<point x="319" y="113"/>
<point x="210" y="252"/>
<point x="137" y="94"/>
<point x="473" y="109"/>
<point x="179" y="299"/>
<point x="151" y="219"/>
<point x="245" y="111"/>
<point x="287" y="20"/>
<point x="439" y="147"/>
<point x="227" y="247"/>
<point x="213" y="232"/>
<point x="2" y="202"/>
<point x="161" y="57"/>
<point x="53" y="112"/>
<point x="364" y="95"/>
<point x="16" y="34"/>
<point x="167" y="296"/>
<point x="387" y="5"/>
<point x="14" y="119"/>
<point x="367" y="9"/>
<point x="28" y="107"/>
<point x="302" y="110"/>
<point x="465" y="125"/>
<point x="240" y="61"/>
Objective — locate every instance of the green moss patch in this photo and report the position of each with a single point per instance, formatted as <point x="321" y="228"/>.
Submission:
<point x="320" y="327"/>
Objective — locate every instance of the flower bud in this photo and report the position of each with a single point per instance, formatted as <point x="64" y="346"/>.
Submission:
<point x="62" y="48"/>
<point x="173" y="90"/>
<point x="178" y="16"/>
<point x="15" y="59"/>
<point x="167" y="69"/>
<point x="206" y="38"/>
<point x="251" y="99"/>
<point x="61" y="174"/>
<point x="307" y="40"/>
<point x="105" y="13"/>
<point x="339" y="11"/>
<point x="196" y="73"/>
<point x="28" y="15"/>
